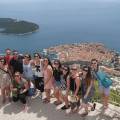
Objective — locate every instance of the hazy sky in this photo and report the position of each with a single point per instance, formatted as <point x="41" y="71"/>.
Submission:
<point x="11" y="1"/>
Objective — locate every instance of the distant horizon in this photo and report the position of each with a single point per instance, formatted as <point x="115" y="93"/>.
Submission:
<point x="15" y="1"/>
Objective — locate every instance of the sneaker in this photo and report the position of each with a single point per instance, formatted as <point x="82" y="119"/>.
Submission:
<point x="64" y="107"/>
<point x="40" y="96"/>
<point x="84" y="114"/>
<point x="93" y="108"/>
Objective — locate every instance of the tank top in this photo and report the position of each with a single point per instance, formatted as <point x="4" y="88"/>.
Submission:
<point x="38" y="72"/>
<point x="57" y="74"/>
<point x="73" y="85"/>
<point x="27" y="71"/>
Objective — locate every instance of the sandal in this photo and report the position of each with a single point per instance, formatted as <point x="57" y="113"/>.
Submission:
<point x="93" y="107"/>
<point x="46" y="100"/>
<point x="57" y="102"/>
<point x="84" y="114"/>
<point x="65" y="107"/>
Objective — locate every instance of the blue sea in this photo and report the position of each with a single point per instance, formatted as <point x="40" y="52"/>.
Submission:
<point x="63" y="22"/>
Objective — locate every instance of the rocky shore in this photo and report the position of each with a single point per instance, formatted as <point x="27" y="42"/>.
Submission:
<point x="82" y="52"/>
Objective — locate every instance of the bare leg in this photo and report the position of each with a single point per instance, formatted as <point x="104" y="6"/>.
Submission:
<point x="8" y="91"/>
<point x="106" y="99"/>
<point x="47" y="99"/>
<point x="57" y="95"/>
<point x="3" y="95"/>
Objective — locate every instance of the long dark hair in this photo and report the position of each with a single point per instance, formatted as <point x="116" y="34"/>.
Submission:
<point x="36" y="53"/>
<point x="49" y="62"/>
<point x="67" y="74"/>
<point x="88" y="77"/>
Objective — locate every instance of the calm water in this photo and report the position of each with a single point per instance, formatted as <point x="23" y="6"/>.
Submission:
<point x="64" y="21"/>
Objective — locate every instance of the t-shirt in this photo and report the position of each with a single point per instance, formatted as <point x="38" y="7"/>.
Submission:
<point x="19" y="86"/>
<point x="8" y="59"/>
<point x="17" y="65"/>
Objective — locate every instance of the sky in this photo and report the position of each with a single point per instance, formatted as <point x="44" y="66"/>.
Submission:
<point x="15" y="1"/>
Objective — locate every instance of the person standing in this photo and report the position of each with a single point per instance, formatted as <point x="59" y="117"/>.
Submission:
<point x="57" y="81"/>
<point x="5" y="80"/>
<point x="37" y="63"/>
<point x="8" y="56"/>
<point x="48" y="79"/>
<point x="27" y="68"/>
<point x="105" y="92"/>
<point x="16" y="64"/>
<point x="87" y="89"/>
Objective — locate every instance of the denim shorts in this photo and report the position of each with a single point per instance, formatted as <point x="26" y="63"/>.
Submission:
<point x="103" y="90"/>
<point x="90" y="96"/>
<point x="58" y="84"/>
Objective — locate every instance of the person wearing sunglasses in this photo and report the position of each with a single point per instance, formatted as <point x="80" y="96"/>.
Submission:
<point x="87" y="88"/>
<point x="57" y="81"/>
<point x="75" y="88"/>
<point x="27" y="69"/>
<point x="48" y="79"/>
<point x="5" y="81"/>
<point x="104" y="91"/>
<point x="19" y="89"/>
<point x="37" y="64"/>
<point x="65" y="86"/>
<point x="15" y="63"/>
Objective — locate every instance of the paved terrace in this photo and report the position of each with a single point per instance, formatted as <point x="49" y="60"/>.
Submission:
<point x="39" y="111"/>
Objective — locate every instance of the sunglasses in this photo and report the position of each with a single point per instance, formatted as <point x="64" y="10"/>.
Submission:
<point x="73" y="68"/>
<point x="8" y="53"/>
<point x="56" y="63"/>
<point x="86" y="70"/>
<point x="65" y="69"/>
<point x="27" y="57"/>
<point x="45" y="60"/>
<point x="36" y="56"/>
<point x="1" y="60"/>
<point x="93" y="63"/>
<point x="17" y="75"/>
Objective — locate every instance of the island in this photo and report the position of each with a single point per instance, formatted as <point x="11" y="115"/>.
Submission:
<point x="14" y="26"/>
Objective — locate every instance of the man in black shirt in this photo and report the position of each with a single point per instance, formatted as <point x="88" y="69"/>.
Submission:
<point x="15" y="63"/>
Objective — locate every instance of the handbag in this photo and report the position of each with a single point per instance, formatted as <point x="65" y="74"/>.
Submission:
<point x="105" y="80"/>
<point x="31" y="90"/>
<point x="73" y="99"/>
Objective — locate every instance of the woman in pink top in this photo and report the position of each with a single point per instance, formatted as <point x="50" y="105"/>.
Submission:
<point x="48" y="79"/>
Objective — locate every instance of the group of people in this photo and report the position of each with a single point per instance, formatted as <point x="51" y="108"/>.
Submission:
<point x="70" y="84"/>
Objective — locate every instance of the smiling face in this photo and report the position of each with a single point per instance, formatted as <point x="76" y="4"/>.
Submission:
<point x="64" y="70"/>
<point x="27" y="57"/>
<point x="73" y="70"/>
<point x="17" y="76"/>
<point x="45" y="61"/>
<point x="94" y="64"/>
<point x="2" y="61"/>
<point x="37" y="56"/>
<point x="8" y="52"/>
<point x="85" y="71"/>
